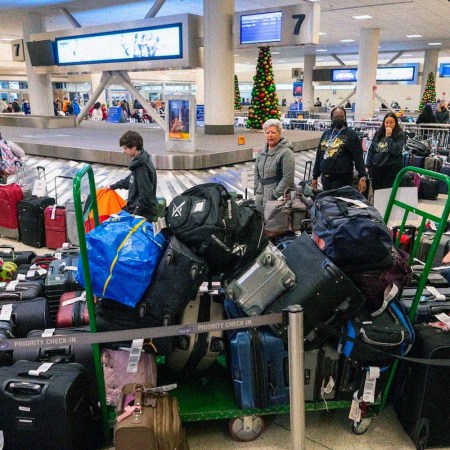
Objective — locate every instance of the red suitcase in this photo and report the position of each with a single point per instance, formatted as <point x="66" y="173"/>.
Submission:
<point x="72" y="310"/>
<point x="55" y="222"/>
<point x="10" y="196"/>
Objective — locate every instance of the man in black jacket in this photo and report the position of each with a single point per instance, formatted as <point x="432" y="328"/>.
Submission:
<point x="141" y="183"/>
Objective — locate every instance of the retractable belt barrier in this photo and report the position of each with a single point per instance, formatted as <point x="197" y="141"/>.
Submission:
<point x="138" y="333"/>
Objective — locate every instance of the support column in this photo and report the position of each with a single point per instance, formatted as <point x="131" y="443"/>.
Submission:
<point x="367" y="72"/>
<point x="200" y="86"/>
<point x="219" y="66"/>
<point x="96" y="78"/>
<point x="308" y="88"/>
<point x="39" y="86"/>
<point x="430" y="64"/>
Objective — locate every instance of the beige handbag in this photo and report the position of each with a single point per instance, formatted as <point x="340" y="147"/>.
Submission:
<point x="285" y="215"/>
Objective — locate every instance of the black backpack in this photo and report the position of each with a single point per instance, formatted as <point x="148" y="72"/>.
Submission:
<point x="207" y="219"/>
<point x="70" y="108"/>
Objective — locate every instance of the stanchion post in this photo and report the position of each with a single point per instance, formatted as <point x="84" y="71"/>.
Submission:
<point x="296" y="377"/>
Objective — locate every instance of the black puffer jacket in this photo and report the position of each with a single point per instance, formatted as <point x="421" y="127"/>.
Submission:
<point x="141" y="185"/>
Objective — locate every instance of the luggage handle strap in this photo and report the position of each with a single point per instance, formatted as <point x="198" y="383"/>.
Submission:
<point x="389" y="295"/>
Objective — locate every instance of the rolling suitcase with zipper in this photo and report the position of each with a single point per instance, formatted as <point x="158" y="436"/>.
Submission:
<point x="55" y="221"/>
<point x="31" y="217"/>
<point x="256" y="287"/>
<point x="322" y="289"/>
<point x="8" y="253"/>
<point x="72" y="311"/>
<point x="27" y="395"/>
<point x="10" y="196"/>
<point x="194" y="354"/>
<point x="21" y="290"/>
<point x="421" y="406"/>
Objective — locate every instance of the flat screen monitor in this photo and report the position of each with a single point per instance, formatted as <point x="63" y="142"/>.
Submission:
<point x="263" y="27"/>
<point x="179" y="127"/>
<point x="406" y="73"/>
<point x="142" y="44"/>
<point x="41" y="53"/>
<point x="444" y="70"/>
<point x="341" y="75"/>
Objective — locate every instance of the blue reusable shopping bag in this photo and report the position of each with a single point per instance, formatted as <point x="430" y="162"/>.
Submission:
<point x="123" y="254"/>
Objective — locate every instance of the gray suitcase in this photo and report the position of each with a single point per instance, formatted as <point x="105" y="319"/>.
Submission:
<point x="260" y="284"/>
<point x="425" y="244"/>
<point x="71" y="223"/>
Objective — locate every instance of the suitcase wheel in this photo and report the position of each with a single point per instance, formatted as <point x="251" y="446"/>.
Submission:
<point x="420" y="433"/>
<point x="169" y="258"/>
<point x="361" y="427"/>
<point x="247" y="428"/>
<point x="194" y="273"/>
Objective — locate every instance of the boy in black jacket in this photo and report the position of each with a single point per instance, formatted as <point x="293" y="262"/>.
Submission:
<point x="141" y="183"/>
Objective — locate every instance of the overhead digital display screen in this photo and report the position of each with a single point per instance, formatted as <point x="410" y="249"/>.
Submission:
<point x="263" y="27"/>
<point x="143" y="44"/>
<point x="444" y="70"/>
<point x="41" y="53"/>
<point x="407" y="73"/>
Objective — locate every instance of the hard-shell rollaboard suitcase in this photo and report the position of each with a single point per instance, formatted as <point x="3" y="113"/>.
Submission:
<point x="72" y="311"/>
<point x="195" y="353"/>
<point x="260" y="284"/>
<point x="10" y="196"/>
<point x="26" y="398"/>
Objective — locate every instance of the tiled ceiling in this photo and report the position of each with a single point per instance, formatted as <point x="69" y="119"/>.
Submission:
<point x="395" y="19"/>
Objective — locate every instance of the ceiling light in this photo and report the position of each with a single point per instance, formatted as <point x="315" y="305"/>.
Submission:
<point x="8" y="39"/>
<point x="275" y="53"/>
<point x="322" y="33"/>
<point x="236" y="55"/>
<point x="413" y="35"/>
<point x="347" y="40"/>
<point x="321" y="50"/>
<point x="434" y="43"/>
<point x="362" y="17"/>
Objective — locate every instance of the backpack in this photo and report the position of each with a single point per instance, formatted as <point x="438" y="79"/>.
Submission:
<point x="70" y="108"/>
<point x="8" y="160"/>
<point x="349" y="231"/>
<point x="208" y="220"/>
<point x="418" y="147"/>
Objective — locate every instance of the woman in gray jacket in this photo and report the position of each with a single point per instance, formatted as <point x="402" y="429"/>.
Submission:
<point x="275" y="165"/>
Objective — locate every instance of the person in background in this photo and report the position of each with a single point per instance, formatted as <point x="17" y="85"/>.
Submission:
<point x="96" y="112"/>
<point x="16" y="106"/>
<point x="441" y="115"/>
<point x="64" y="105"/>
<point x="9" y="108"/>
<point x="348" y="105"/>
<point x="26" y="107"/>
<point x="275" y="165"/>
<point x="395" y="105"/>
<point x="76" y="108"/>
<point x="104" y="109"/>
<point x="384" y="158"/>
<point x="318" y="102"/>
<point x="141" y="182"/>
<point x="339" y="151"/>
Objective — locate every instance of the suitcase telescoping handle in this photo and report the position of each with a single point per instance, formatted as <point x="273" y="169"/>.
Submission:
<point x="20" y="172"/>
<point x="308" y="167"/>
<point x="56" y="190"/>
<point x="10" y="247"/>
<point x="41" y="170"/>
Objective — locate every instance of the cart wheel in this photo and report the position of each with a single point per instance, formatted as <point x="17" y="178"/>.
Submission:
<point x="361" y="427"/>
<point x="420" y="433"/>
<point x="246" y="429"/>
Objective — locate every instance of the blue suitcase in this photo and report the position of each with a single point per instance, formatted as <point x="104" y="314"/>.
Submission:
<point x="259" y="367"/>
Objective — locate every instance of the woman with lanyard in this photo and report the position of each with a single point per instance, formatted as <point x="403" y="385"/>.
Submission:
<point x="338" y="152"/>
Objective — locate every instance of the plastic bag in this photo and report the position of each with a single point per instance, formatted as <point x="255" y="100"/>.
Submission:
<point x="123" y="255"/>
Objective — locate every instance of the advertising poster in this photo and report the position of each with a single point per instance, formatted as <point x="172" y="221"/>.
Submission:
<point x="297" y="88"/>
<point x="179" y="120"/>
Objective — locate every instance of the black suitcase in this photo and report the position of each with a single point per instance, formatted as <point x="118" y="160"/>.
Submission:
<point x="31" y="272"/>
<point x="7" y="253"/>
<point x="422" y="406"/>
<point x="21" y="290"/>
<point x="81" y="354"/>
<point x="323" y="290"/>
<point x="28" y="315"/>
<point x="31" y="220"/>
<point x="46" y="412"/>
<point x="176" y="281"/>
<point x="428" y="188"/>
<point x="6" y="332"/>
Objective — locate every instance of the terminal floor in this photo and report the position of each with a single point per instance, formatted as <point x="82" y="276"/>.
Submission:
<point x="324" y="429"/>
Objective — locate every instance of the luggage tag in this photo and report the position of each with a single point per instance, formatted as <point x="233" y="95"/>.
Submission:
<point x="81" y="298"/>
<point x="355" y="410"/>
<point x="357" y="203"/>
<point x="135" y="355"/>
<point x="159" y="225"/>
<point x="435" y="293"/>
<point x="53" y="214"/>
<point x="389" y="294"/>
<point x="11" y="287"/>
<point x="444" y="318"/>
<point x="6" y="312"/>
<point x="370" y="384"/>
<point x="40" y="370"/>
<point x="48" y="332"/>
<point x="39" y="188"/>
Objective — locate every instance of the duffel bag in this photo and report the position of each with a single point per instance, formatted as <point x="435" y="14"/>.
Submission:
<point x="390" y="332"/>
<point x="377" y="285"/>
<point x="418" y="147"/>
<point x="349" y="231"/>
<point x="428" y="188"/>
<point x="123" y="254"/>
<point x="207" y="219"/>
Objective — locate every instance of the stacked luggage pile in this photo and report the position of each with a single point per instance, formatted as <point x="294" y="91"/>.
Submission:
<point x="212" y="260"/>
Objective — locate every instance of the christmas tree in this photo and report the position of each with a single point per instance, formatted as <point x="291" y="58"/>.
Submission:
<point x="237" y="94"/>
<point x="429" y="95"/>
<point x="264" y="104"/>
